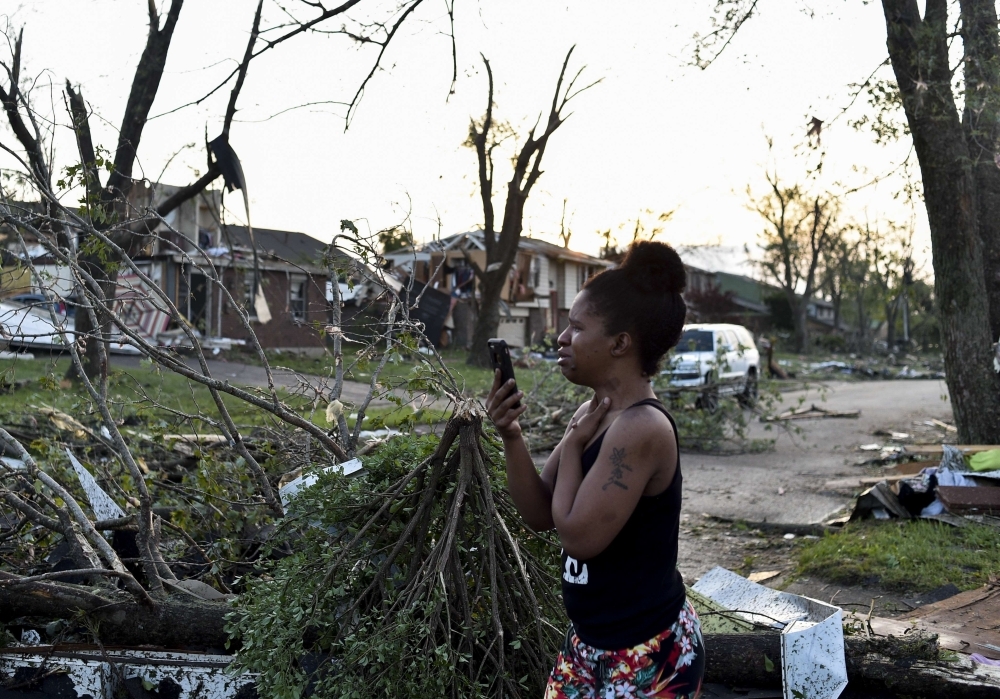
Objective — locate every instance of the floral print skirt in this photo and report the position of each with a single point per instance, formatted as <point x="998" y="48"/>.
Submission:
<point x="669" y="666"/>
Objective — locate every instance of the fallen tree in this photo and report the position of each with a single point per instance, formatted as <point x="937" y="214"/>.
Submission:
<point x="419" y="575"/>
<point x="912" y="666"/>
<point x="174" y="621"/>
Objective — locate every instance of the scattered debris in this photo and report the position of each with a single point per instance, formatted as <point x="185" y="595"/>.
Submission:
<point x="763" y="575"/>
<point x="938" y="449"/>
<point x="962" y="499"/>
<point x="985" y="461"/>
<point x="879" y="502"/>
<point x="811" y="412"/>
<point x="865" y="482"/>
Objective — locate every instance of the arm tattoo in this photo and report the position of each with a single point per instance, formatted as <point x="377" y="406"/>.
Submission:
<point x="618" y="472"/>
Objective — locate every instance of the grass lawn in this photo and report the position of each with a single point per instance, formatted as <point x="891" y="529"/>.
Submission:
<point x="157" y="396"/>
<point x="908" y="556"/>
<point x="475" y="381"/>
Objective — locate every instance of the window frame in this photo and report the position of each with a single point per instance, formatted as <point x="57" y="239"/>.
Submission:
<point x="248" y="296"/>
<point x="298" y="314"/>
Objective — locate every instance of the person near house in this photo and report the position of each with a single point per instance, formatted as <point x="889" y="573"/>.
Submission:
<point x="612" y="489"/>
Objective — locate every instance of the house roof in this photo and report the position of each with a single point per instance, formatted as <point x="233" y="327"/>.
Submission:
<point x="473" y="240"/>
<point x="561" y="253"/>
<point x="297" y="248"/>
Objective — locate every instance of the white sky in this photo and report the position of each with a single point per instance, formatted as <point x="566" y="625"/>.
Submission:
<point x="655" y="134"/>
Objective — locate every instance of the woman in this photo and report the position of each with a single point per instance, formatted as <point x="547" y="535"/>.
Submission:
<point x="612" y="489"/>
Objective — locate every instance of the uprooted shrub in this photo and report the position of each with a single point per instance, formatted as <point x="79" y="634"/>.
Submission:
<point x="415" y="578"/>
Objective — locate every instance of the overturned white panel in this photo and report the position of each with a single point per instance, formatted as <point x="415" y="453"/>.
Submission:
<point x="812" y="635"/>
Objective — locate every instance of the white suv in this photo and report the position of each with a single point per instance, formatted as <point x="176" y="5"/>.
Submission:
<point x="719" y="357"/>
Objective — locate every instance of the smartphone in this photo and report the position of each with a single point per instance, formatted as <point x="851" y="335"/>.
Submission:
<point x="500" y="358"/>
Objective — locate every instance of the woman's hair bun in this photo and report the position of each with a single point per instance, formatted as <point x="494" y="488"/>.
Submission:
<point x="655" y="267"/>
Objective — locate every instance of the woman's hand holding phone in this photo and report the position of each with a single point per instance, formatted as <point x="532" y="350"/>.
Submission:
<point x="500" y="406"/>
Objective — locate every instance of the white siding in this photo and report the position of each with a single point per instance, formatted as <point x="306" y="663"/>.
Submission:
<point x="513" y="330"/>
<point x="571" y="284"/>
<point x="543" y="276"/>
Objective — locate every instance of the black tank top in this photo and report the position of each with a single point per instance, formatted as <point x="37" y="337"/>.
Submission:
<point x="631" y="591"/>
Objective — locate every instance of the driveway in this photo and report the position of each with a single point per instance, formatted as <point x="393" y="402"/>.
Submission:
<point x="746" y="486"/>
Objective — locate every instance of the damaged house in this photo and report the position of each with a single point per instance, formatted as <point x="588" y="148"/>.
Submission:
<point x="543" y="282"/>
<point x="294" y="280"/>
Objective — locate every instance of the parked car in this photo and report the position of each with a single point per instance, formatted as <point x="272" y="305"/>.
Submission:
<point x="719" y="358"/>
<point x="41" y="303"/>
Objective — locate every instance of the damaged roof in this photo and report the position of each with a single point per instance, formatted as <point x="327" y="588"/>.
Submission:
<point x="290" y="246"/>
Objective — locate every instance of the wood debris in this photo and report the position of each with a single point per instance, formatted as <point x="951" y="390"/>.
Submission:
<point x="938" y="449"/>
<point x="811" y="412"/>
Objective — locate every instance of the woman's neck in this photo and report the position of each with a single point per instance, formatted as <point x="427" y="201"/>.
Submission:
<point x="624" y="392"/>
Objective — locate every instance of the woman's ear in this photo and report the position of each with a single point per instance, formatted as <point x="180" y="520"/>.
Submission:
<point x="622" y="344"/>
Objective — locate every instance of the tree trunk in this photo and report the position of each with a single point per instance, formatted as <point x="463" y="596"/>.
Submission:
<point x="904" y="667"/>
<point x="837" y="300"/>
<point x="93" y="363"/>
<point x="891" y="310"/>
<point x="800" y="317"/>
<point x="982" y="131"/>
<point x="177" y="621"/>
<point x="488" y="319"/>
<point x="918" y="49"/>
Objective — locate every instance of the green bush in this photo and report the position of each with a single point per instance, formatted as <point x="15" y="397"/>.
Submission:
<point x="357" y="610"/>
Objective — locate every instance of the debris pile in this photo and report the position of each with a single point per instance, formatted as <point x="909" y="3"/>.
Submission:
<point x="887" y="367"/>
<point x="964" y="486"/>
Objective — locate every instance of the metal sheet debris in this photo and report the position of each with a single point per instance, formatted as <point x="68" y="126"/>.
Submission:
<point x="102" y="673"/>
<point x="812" y="637"/>
<point x="288" y="492"/>
<point x="100" y="502"/>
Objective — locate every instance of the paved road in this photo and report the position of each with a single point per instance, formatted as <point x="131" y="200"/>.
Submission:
<point x="746" y="485"/>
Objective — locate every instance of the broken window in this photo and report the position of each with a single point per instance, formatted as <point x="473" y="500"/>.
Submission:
<point x="297" y="297"/>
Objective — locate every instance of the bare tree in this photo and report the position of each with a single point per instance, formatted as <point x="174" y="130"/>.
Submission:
<point x="565" y="230"/>
<point x="801" y="230"/>
<point x="501" y="245"/>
